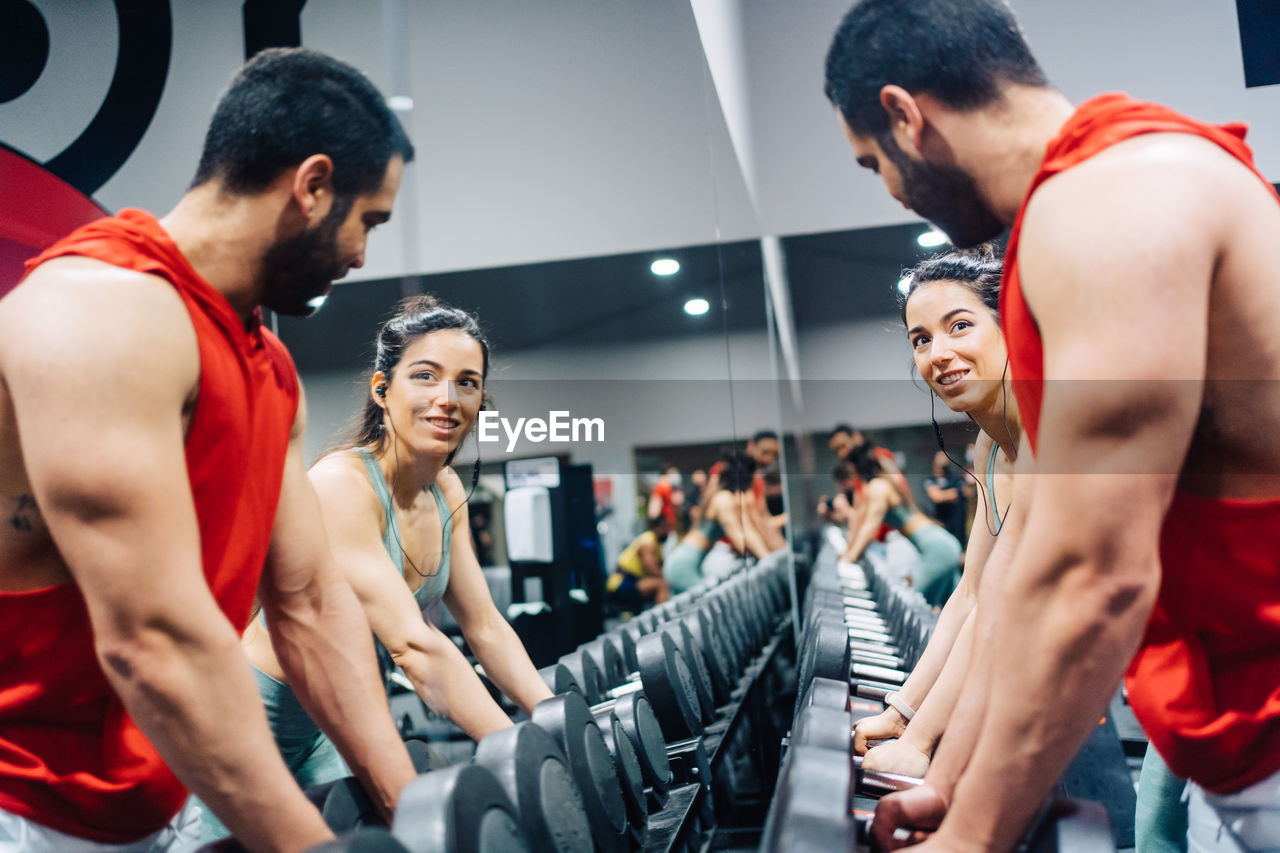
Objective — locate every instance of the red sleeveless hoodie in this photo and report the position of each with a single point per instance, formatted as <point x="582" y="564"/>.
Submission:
<point x="1205" y="684"/>
<point x="70" y="756"/>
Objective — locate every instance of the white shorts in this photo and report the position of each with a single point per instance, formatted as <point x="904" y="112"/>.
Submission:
<point x="20" y="835"/>
<point x="1247" y="821"/>
<point x="720" y="562"/>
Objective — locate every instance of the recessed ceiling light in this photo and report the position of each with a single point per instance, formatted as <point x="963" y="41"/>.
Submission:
<point x="665" y="266"/>
<point x="696" y="306"/>
<point x="932" y="237"/>
<point x="317" y="301"/>
<point x="904" y="284"/>
<point x="400" y="103"/>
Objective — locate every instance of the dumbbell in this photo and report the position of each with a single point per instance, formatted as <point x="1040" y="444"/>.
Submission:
<point x="345" y="806"/>
<point x="568" y="720"/>
<point x="455" y="809"/>
<point x="827" y="653"/>
<point x="813" y="808"/>
<point x="607" y="651"/>
<point x="864" y="651"/>
<point x="614" y="672"/>
<point x="665" y="676"/>
<point x="459" y="808"/>
<point x="533" y="773"/>
<point x="634" y="713"/>
<point x="716" y="656"/>
<point x="889" y="614"/>
<point x="828" y="728"/>
<point x="719" y="672"/>
<point x="628" y="726"/>
<point x="695" y="658"/>
<point x="812" y="805"/>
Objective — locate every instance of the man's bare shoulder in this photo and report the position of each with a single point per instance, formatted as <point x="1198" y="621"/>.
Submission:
<point x="77" y="304"/>
<point x="1180" y="175"/>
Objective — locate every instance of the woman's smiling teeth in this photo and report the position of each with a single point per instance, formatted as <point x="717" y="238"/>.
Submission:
<point x="443" y="423"/>
<point x="952" y="377"/>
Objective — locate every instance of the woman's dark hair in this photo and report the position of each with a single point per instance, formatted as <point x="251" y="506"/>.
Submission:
<point x="864" y="460"/>
<point x="958" y="51"/>
<point x="416" y="316"/>
<point x="287" y="104"/>
<point x="738" y="472"/>
<point x="978" y="270"/>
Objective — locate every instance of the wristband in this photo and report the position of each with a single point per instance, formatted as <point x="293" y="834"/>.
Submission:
<point x="897" y="703"/>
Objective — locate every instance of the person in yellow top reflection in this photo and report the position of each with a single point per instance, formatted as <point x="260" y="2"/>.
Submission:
<point x="637" y="580"/>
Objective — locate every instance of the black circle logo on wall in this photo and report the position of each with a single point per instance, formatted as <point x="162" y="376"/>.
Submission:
<point x="142" y="66"/>
<point x="24" y="48"/>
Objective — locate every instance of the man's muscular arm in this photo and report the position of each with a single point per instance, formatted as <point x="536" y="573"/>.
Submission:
<point x="98" y="362"/>
<point x="322" y="639"/>
<point x="1122" y="310"/>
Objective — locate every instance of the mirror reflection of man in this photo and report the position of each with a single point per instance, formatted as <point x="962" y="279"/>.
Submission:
<point x="1141" y="267"/>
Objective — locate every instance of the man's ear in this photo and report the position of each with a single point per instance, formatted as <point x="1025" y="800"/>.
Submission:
<point x="906" y="121"/>
<point x="312" y="187"/>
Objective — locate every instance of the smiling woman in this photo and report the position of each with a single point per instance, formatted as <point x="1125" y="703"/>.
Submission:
<point x="950" y="311"/>
<point x="396" y="515"/>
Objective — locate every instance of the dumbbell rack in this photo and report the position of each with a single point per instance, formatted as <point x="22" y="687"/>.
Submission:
<point x="696" y="811"/>
<point x="824" y="799"/>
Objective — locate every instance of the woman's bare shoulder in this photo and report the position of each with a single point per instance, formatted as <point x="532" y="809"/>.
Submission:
<point x="341" y="478"/>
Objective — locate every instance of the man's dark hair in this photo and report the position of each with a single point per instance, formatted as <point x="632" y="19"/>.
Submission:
<point x="841" y="428"/>
<point x="738" y="473"/>
<point x="761" y="435"/>
<point x="958" y="51"/>
<point x="287" y="104"/>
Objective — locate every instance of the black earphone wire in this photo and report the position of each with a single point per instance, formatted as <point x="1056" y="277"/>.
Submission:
<point x="1004" y="416"/>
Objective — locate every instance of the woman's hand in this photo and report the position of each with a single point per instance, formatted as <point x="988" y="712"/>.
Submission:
<point x="883" y="726"/>
<point x="897" y="756"/>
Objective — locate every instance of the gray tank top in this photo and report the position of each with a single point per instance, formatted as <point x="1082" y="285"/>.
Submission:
<point x="434" y="585"/>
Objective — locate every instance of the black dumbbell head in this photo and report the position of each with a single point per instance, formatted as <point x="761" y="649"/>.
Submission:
<point x="457" y="808"/>
<point x="569" y="722"/>
<point x="669" y="685"/>
<point x="531" y="768"/>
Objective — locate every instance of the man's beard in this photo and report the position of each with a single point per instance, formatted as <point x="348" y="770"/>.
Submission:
<point x="302" y="268"/>
<point x="946" y="196"/>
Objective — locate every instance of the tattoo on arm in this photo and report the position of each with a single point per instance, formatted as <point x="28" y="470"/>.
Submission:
<point x="21" y="517"/>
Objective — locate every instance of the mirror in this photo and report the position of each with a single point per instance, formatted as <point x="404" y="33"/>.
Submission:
<point x="579" y="192"/>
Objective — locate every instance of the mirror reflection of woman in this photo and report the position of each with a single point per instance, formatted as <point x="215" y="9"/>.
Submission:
<point x="396" y="516"/>
<point x="728" y="513"/>
<point x="882" y="501"/>
<point x="951" y="316"/>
